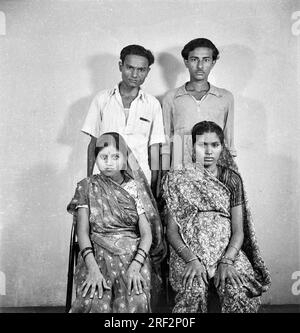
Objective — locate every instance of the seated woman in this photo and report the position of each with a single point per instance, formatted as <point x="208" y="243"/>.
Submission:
<point x="210" y="230"/>
<point x="117" y="226"/>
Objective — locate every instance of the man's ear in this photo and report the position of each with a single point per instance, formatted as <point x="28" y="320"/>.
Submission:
<point x="120" y="65"/>
<point x="185" y="62"/>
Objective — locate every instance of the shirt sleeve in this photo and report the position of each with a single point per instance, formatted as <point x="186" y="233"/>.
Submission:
<point x="229" y="125"/>
<point x="80" y="198"/>
<point x="92" y="123"/>
<point x="167" y="108"/>
<point x="157" y="134"/>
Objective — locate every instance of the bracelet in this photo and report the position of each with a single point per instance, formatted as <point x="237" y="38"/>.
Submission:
<point x="180" y="248"/>
<point x="225" y="263"/>
<point x="190" y="260"/>
<point x="142" y="254"/>
<point x="234" y="247"/>
<point x="143" y="258"/>
<point x="138" y="261"/>
<point x="83" y="251"/>
<point x="226" y="258"/>
<point x="140" y="249"/>
<point x="86" y="253"/>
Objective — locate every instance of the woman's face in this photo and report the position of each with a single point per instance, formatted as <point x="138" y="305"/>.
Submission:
<point x="110" y="161"/>
<point x="207" y="149"/>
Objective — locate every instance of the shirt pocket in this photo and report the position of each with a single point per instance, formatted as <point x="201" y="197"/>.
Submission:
<point x="143" y="126"/>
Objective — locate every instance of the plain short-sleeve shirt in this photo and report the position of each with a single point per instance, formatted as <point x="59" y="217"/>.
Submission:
<point x="143" y="127"/>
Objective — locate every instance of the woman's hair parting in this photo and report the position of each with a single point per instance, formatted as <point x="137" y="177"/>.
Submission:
<point x="111" y="139"/>
<point x="207" y="127"/>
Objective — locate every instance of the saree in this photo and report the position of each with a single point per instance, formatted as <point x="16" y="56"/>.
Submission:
<point x="200" y="205"/>
<point x="113" y="219"/>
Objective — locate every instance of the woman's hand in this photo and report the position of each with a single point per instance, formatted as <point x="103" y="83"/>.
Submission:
<point x="193" y="269"/>
<point x="135" y="281"/>
<point x="228" y="272"/>
<point x="94" y="280"/>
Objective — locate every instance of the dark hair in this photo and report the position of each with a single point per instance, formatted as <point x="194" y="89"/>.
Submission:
<point x="199" y="42"/>
<point x="111" y="139"/>
<point x="207" y="127"/>
<point x="137" y="50"/>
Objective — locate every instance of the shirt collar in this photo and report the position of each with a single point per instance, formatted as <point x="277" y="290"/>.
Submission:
<point x="212" y="90"/>
<point x="116" y="90"/>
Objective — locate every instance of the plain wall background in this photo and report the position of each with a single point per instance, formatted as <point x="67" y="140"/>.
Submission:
<point x="56" y="55"/>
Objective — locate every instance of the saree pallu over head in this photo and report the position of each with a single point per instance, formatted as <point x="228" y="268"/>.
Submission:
<point x="196" y="199"/>
<point x="113" y="215"/>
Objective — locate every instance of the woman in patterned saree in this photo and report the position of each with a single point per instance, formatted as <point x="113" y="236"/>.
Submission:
<point x="210" y="230"/>
<point x="119" y="233"/>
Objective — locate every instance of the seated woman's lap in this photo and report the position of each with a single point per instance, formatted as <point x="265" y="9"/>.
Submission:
<point x="113" y="268"/>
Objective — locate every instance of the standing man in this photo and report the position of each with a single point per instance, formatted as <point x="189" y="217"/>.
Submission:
<point x="128" y="110"/>
<point x="197" y="100"/>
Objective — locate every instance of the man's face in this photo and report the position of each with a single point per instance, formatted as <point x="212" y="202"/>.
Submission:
<point x="134" y="70"/>
<point x="200" y="63"/>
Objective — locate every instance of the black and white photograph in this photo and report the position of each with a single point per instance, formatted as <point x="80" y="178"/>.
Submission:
<point x="150" y="159"/>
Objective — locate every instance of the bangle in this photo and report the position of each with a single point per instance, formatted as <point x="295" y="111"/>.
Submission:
<point x="83" y="251"/>
<point x="237" y="250"/>
<point x="180" y="248"/>
<point x="225" y="263"/>
<point x="143" y="258"/>
<point x="226" y="258"/>
<point x="192" y="259"/>
<point x="86" y="253"/>
<point x="138" y="261"/>
<point x="142" y="254"/>
<point x="140" y="249"/>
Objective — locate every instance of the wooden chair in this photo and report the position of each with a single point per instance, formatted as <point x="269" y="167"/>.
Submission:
<point x="73" y="256"/>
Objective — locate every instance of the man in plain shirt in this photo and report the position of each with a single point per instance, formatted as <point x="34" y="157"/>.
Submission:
<point x="197" y="100"/>
<point x="131" y="112"/>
